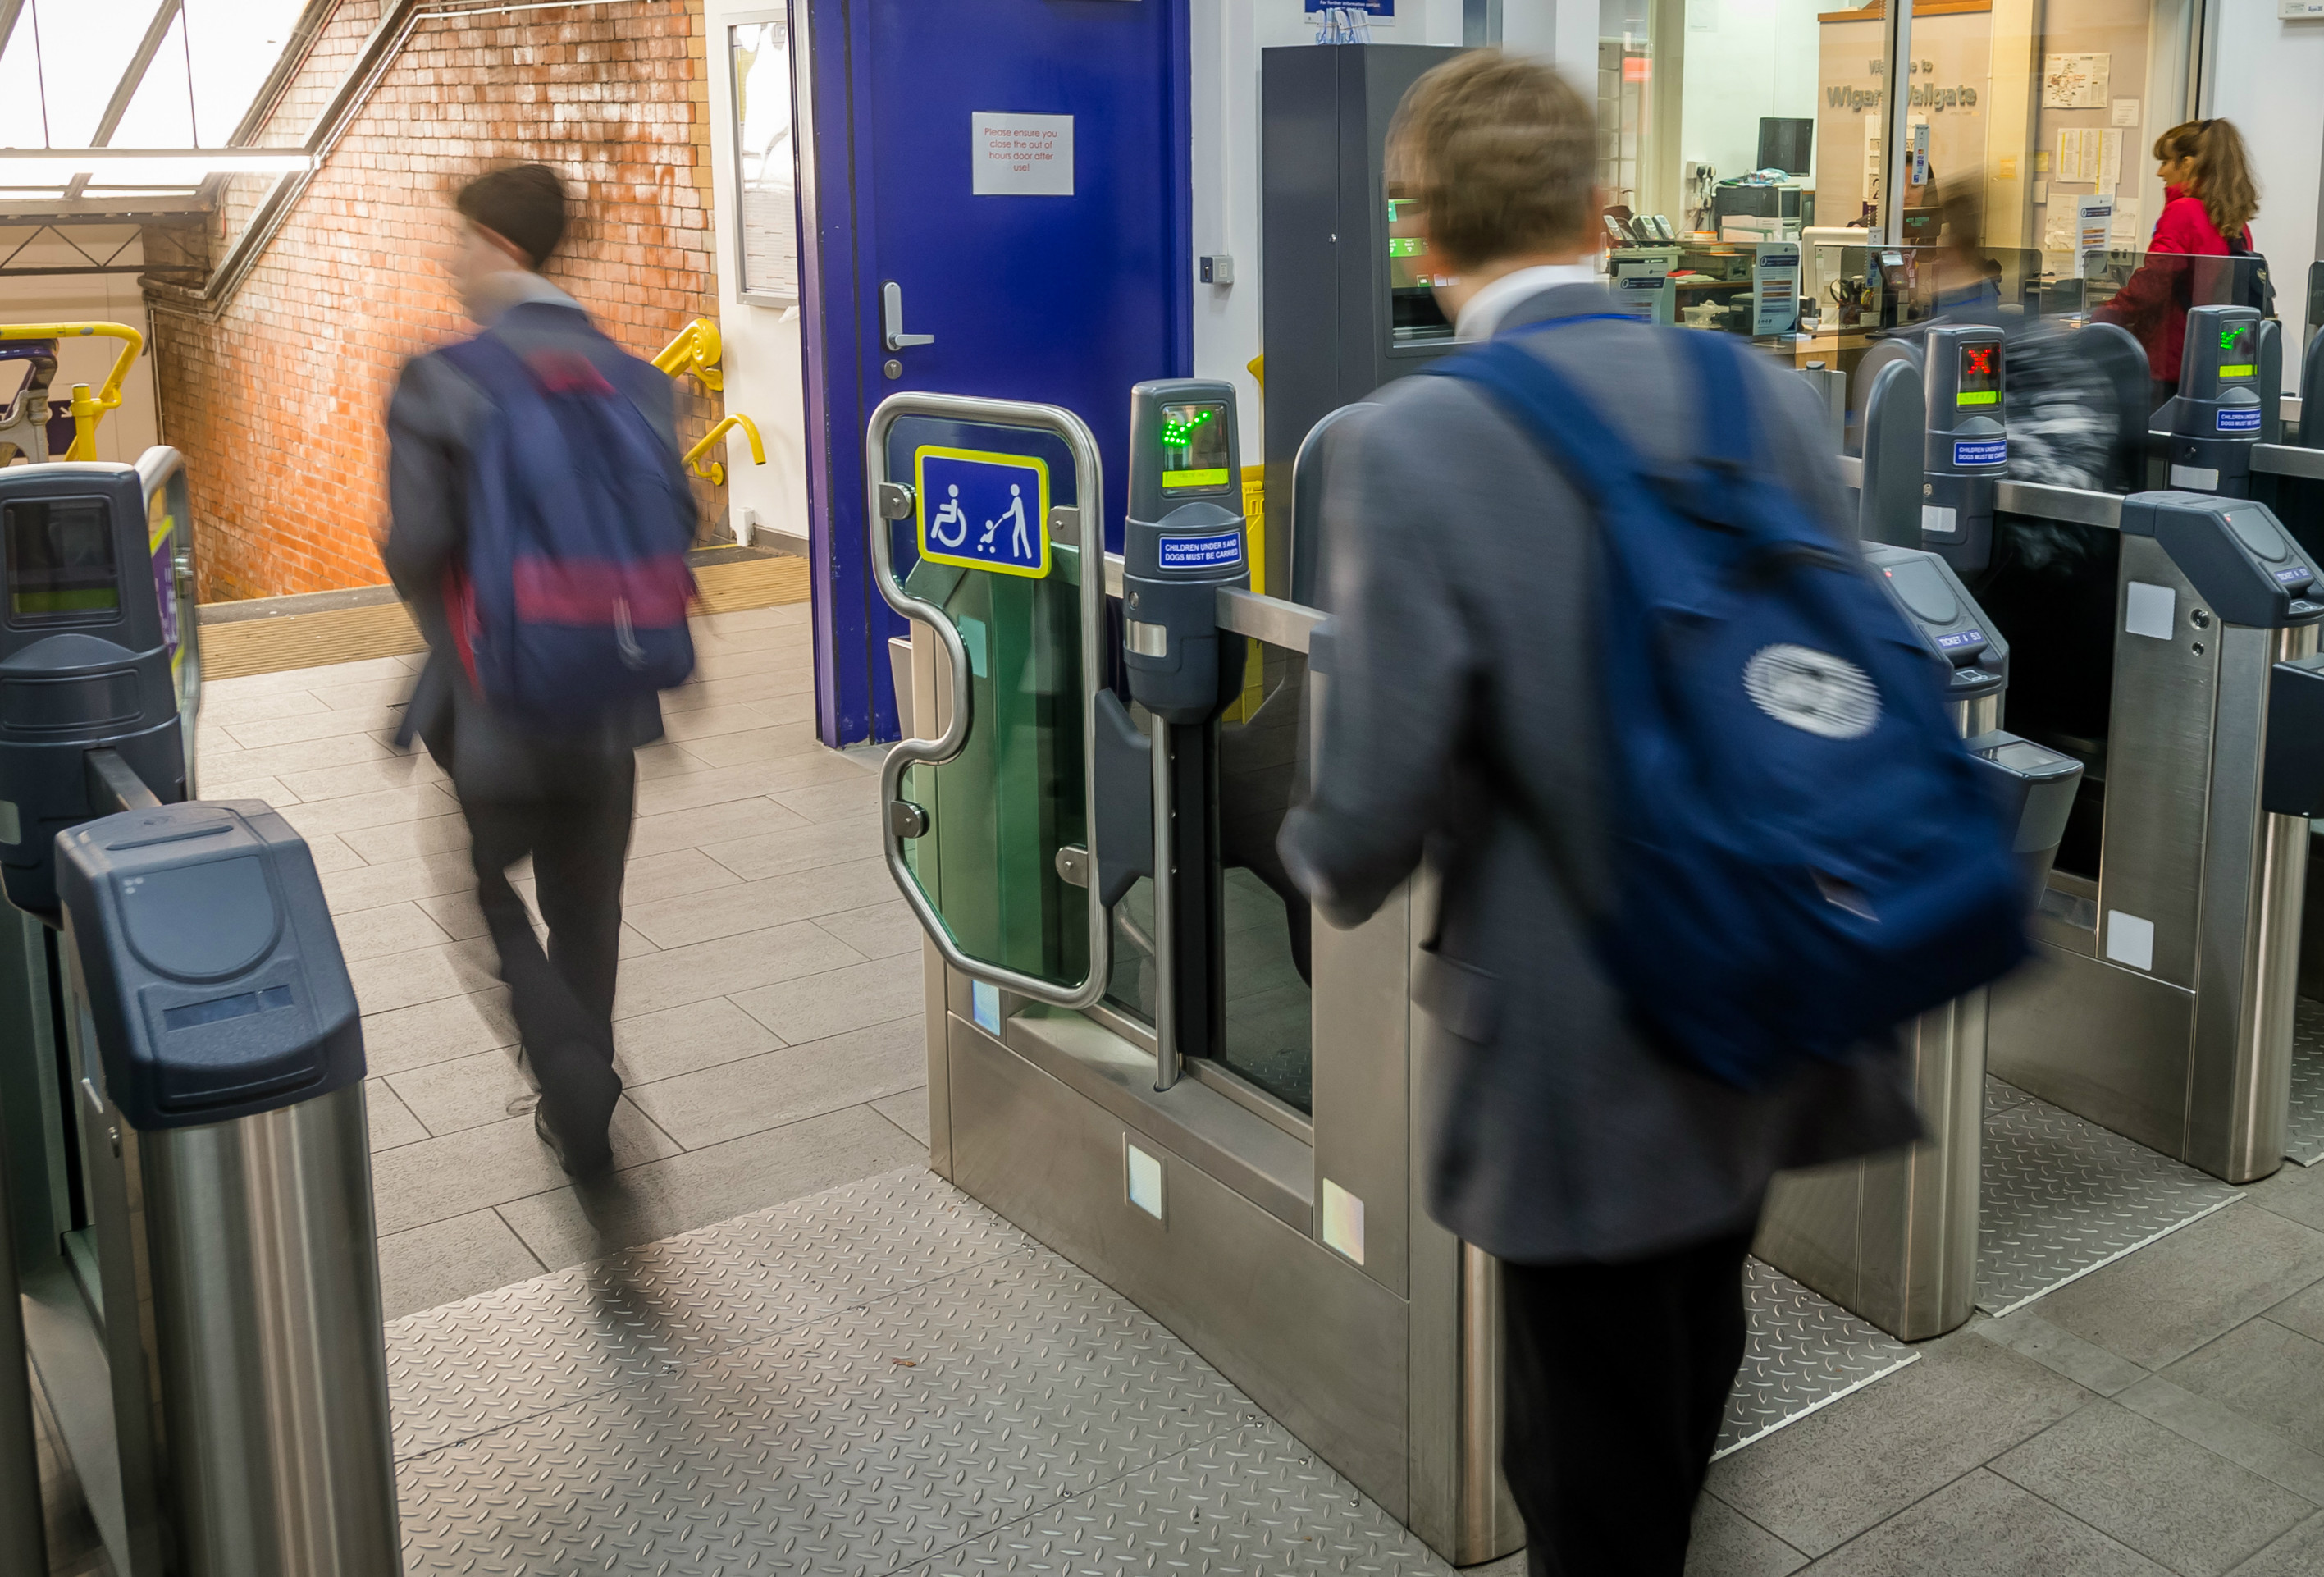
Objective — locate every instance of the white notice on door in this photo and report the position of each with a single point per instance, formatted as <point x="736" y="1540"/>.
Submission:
<point x="1020" y="155"/>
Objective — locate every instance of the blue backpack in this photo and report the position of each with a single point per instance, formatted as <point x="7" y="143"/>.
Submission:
<point x="1805" y="856"/>
<point x="573" y="599"/>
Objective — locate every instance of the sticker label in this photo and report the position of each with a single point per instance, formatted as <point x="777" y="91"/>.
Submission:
<point x="982" y="510"/>
<point x="2151" y="611"/>
<point x="1209" y="551"/>
<point x="2195" y="478"/>
<point x="1960" y="637"/>
<point x="2239" y="418"/>
<point x="1980" y="451"/>
<point x="2298" y="574"/>
<point x="1940" y="520"/>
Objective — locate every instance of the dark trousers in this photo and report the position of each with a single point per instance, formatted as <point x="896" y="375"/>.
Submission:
<point x="564" y="997"/>
<point x="1617" y="1378"/>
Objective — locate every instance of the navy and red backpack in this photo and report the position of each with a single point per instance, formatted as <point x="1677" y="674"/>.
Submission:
<point x="573" y="599"/>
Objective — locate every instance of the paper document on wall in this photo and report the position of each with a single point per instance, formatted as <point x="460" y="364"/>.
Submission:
<point x="2125" y="233"/>
<point x="2080" y="151"/>
<point x="1014" y="155"/>
<point x="2109" y="160"/>
<point x="2126" y="112"/>
<point x="2075" y="81"/>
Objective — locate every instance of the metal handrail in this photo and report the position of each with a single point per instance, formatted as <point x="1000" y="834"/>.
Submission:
<point x="715" y="470"/>
<point x="87" y="409"/>
<point x="1279" y="622"/>
<point x="1089" y="495"/>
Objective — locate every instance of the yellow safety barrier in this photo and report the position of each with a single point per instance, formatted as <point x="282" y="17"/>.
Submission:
<point x="696" y="350"/>
<point x="715" y="470"/>
<point x="87" y="409"/>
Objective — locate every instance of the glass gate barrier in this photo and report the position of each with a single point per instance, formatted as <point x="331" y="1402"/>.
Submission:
<point x="980" y="507"/>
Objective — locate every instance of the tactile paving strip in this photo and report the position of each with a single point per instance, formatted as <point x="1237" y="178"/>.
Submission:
<point x="2303" y="1136"/>
<point x="1804" y="1353"/>
<point x="888" y="1378"/>
<point x="2063" y="1197"/>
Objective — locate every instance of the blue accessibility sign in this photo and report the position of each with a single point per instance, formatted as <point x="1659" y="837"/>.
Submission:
<point x="982" y="510"/>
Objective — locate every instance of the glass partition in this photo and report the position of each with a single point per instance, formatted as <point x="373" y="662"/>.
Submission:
<point x="1265" y="923"/>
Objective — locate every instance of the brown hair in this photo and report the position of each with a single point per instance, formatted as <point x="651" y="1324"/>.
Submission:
<point x="523" y="205"/>
<point x="2222" y="178"/>
<point x="1501" y="153"/>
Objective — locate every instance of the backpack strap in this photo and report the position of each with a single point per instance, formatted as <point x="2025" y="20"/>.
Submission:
<point x="1731" y="441"/>
<point x="1595" y="460"/>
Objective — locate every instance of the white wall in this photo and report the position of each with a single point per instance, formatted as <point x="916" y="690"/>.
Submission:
<point x="134" y="429"/>
<point x="1747" y="58"/>
<point x="765" y="377"/>
<point x="2269" y="80"/>
<point x="1227" y="37"/>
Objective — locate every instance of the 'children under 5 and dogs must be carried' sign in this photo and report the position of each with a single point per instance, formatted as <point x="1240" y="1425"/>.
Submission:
<point x="982" y="510"/>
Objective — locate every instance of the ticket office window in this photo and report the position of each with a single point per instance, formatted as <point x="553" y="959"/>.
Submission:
<point x="2029" y="125"/>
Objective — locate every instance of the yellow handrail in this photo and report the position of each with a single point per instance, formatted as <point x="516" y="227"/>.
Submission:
<point x="88" y="410"/>
<point x="715" y="470"/>
<point x="696" y="350"/>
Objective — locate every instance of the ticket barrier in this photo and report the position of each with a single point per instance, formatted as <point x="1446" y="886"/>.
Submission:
<point x="187" y="1166"/>
<point x="1139" y="1050"/>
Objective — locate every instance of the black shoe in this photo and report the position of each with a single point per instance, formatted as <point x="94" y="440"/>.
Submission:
<point x="590" y="1165"/>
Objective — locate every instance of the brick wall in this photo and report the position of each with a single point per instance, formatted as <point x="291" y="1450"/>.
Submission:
<point x="279" y="403"/>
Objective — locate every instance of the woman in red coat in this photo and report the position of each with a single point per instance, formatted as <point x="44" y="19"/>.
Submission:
<point x="2208" y="196"/>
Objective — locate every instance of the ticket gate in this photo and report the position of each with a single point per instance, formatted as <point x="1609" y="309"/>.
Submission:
<point x="1138" y="1050"/>
<point x="186" y="1182"/>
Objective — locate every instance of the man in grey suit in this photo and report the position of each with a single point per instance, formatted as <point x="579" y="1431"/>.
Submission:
<point x="1462" y="724"/>
<point x="562" y="797"/>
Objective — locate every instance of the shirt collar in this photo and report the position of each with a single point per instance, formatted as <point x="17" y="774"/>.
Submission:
<point x="1481" y="319"/>
<point x="514" y="288"/>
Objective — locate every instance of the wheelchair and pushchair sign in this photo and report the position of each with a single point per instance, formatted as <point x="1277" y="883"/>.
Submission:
<point x="982" y="510"/>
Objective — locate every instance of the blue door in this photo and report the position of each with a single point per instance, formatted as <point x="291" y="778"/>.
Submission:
<point x="995" y="198"/>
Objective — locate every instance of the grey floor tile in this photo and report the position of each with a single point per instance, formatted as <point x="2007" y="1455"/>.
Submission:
<point x="755" y="744"/>
<point x="396" y="927"/>
<point x="1822" y="1480"/>
<point x="677" y="875"/>
<point x="2237" y="1436"/>
<point x="908" y="1111"/>
<point x="2302" y="1312"/>
<point x="299" y="730"/>
<point x="432" y="1032"/>
<point x="2265" y="1371"/>
<point x="321" y="783"/>
<point x="423" y="974"/>
<point x="815" y="1006"/>
<point x="392" y="1121"/>
<point x="667" y="761"/>
<point x="702" y="1186"/>
<point x="1725" y="1543"/>
<point x="677" y="976"/>
<point x="223" y="710"/>
<point x="370" y="886"/>
<point x="2153" y="1490"/>
<point x="833" y="801"/>
<point x="729" y="912"/>
<point x="1981" y="1525"/>
<point x="344" y="695"/>
<point x="269" y="790"/>
<point x="788" y="1084"/>
<point x="275" y="760"/>
<point x="879" y="930"/>
<point x="798" y="846"/>
<point x="2295" y="1192"/>
<point x="718" y="661"/>
<point x="710" y="785"/>
<point x="409" y="839"/>
<point x="450" y="1260"/>
<point x="2298" y="1553"/>
<point x="2171" y="1297"/>
<point x="466" y="1092"/>
<point x="735" y="716"/>
<point x="777" y="679"/>
<point x="355" y="812"/>
<point x="791" y="616"/>
<point x="439" y="1178"/>
<point x="331" y="854"/>
<point x="683" y="1040"/>
<point x="2083" y="1362"/>
<point x="711" y="824"/>
<point x="456" y="913"/>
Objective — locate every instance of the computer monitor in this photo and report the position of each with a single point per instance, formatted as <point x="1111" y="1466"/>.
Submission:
<point x="1787" y="143"/>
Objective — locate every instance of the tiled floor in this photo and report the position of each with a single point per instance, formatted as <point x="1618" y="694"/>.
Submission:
<point x="769" y="976"/>
<point x="2162" y="1414"/>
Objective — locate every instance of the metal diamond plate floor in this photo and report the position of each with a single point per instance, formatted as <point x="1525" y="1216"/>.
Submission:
<point x="1804" y="1353"/>
<point x="888" y="1378"/>
<point x="2303" y="1137"/>
<point x="2064" y="1197"/>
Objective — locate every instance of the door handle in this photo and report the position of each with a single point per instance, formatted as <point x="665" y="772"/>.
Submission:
<point x="891" y="319"/>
